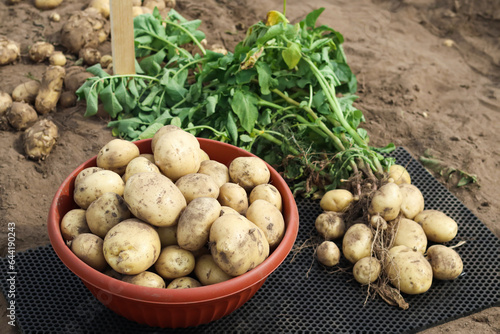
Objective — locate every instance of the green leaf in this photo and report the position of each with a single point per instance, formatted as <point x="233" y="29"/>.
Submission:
<point x="246" y="138"/>
<point x="265" y="78"/>
<point x="244" y="106"/>
<point x="92" y="103"/>
<point x="176" y="121"/>
<point x="150" y="130"/>
<point x="110" y="102"/>
<point x="211" y="104"/>
<point x="232" y="128"/>
<point x="292" y="55"/>
<point x="312" y="17"/>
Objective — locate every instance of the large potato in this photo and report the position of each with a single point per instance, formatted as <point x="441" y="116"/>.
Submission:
<point x="40" y="51"/>
<point x="357" y="242"/>
<point x="218" y="171"/>
<point x="116" y="155"/>
<point x="146" y="278"/>
<point x="195" y="222"/>
<point x="152" y="197"/>
<point x="234" y="196"/>
<point x="386" y="202"/>
<point x="208" y="272"/>
<point x="413" y="200"/>
<point x="94" y="185"/>
<point x="174" y="262"/>
<point x="270" y="220"/>
<point x="249" y="172"/>
<point x="105" y="212"/>
<point x="237" y="245"/>
<point x="74" y="223"/>
<point x="267" y="192"/>
<point x="328" y="253"/>
<point x="438" y="227"/>
<point x="410" y="234"/>
<point x="197" y="185"/>
<point x="330" y="225"/>
<point x="445" y="262"/>
<point x="138" y="165"/>
<point x="337" y="200"/>
<point x="367" y="270"/>
<point x="131" y="246"/>
<point x="50" y="89"/>
<point x="89" y="248"/>
<point x="161" y="132"/>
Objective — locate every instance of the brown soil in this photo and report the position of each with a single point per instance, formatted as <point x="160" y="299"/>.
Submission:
<point x="415" y="91"/>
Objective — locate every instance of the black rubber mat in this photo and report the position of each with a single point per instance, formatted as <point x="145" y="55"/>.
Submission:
<point x="300" y="296"/>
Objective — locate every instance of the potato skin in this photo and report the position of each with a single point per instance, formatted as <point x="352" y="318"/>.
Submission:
<point x="328" y="253"/>
<point x="89" y="248"/>
<point x="208" y="272"/>
<point x="438" y="227"/>
<point x="21" y="116"/>
<point x="183" y="283"/>
<point x="270" y="220"/>
<point x="357" y="242"/>
<point x="234" y="196"/>
<point x="197" y="185"/>
<point x="249" y="172"/>
<point x="26" y="92"/>
<point x="399" y="174"/>
<point x="445" y="262"/>
<point x="330" y="225"/>
<point x="74" y="223"/>
<point x="413" y="200"/>
<point x="40" y="51"/>
<point x="267" y="192"/>
<point x="139" y="164"/>
<point x="386" y="202"/>
<point x="50" y="89"/>
<point x="146" y="278"/>
<point x="410" y="234"/>
<point x="174" y="262"/>
<point x="218" y="171"/>
<point x="9" y="51"/>
<point x="116" y="155"/>
<point x="337" y="200"/>
<point x="161" y="132"/>
<point x="5" y="102"/>
<point x="40" y="139"/>
<point x="105" y="212"/>
<point x="95" y="185"/>
<point x="367" y="270"/>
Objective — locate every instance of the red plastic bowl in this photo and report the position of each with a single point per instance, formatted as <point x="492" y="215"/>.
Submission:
<point x="173" y="308"/>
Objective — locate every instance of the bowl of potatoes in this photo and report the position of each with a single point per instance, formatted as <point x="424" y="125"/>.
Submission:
<point x="173" y="231"/>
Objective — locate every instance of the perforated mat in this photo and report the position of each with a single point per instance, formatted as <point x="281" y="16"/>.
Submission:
<point x="51" y="299"/>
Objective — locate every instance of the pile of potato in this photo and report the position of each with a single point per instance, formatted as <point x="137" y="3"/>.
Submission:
<point x="174" y="218"/>
<point x="392" y="242"/>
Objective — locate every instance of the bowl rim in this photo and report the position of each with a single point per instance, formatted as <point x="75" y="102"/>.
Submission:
<point x="172" y="296"/>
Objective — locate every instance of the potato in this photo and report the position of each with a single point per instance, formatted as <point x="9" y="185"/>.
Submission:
<point x="146" y="278"/>
<point x="40" y="51"/>
<point x="50" y="89"/>
<point x="88" y="247"/>
<point x="90" y="56"/>
<point x="269" y="219"/>
<point x="445" y="262"/>
<point x="84" y="173"/>
<point x="21" y="116"/>
<point x="226" y="210"/>
<point x="203" y="156"/>
<point x="57" y="58"/>
<point x="357" y="242"/>
<point x="249" y="172"/>
<point x="218" y="171"/>
<point x="106" y="61"/>
<point x="148" y="156"/>
<point x="233" y="196"/>
<point x="102" y="6"/>
<point x="413" y="200"/>
<point x="337" y="200"/>
<point x="161" y="132"/>
<point x="9" y="51"/>
<point x="139" y="165"/>
<point x="367" y="270"/>
<point x="330" y="225"/>
<point x="131" y="246"/>
<point x="67" y="99"/>
<point x="177" y="154"/>
<point x="74" y="223"/>
<point x="408" y="271"/>
<point x="95" y="185"/>
<point x="75" y="78"/>
<point x="47" y="4"/>
<point x="195" y="222"/>
<point x="208" y="272"/>
<point x="5" y="102"/>
<point x="105" y="212"/>
<point x="410" y="234"/>
<point x="197" y="185"/>
<point x="153" y="198"/>
<point x="26" y="92"/>
<point x="39" y="139"/>
<point x="328" y="253"/>
<point x="386" y="202"/>
<point x="84" y="29"/>
<point x="267" y="192"/>
<point x="237" y="245"/>
<point x="399" y="174"/>
<point x="183" y="283"/>
<point x="168" y="235"/>
<point x="438" y="227"/>
<point x="174" y="262"/>
<point x="55" y="17"/>
<point x="151" y="4"/>
<point x="116" y="155"/>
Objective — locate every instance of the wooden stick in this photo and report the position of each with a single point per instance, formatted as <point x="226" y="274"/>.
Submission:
<point x="122" y="36"/>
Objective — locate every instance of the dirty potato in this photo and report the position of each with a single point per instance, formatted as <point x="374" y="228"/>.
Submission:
<point x="74" y="223"/>
<point x="270" y="220"/>
<point x="116" y="155"/>
<point x="105" y="212"/>
<point x="174" y="262"/>
<point x="197" y="185"/>
<point x="248" y="172"/>
<point x="88" y="247"/>
<point x="267" y="192"/>
<point x="233" y="196"/>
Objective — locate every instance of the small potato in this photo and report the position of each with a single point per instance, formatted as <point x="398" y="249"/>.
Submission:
<point x="131" y="246"/>
<point x="237" y="245"/>
<point x="89" y="248"/>
<point x="116" y="155"/>
<point x="197" y="185"/>
<point x="267" y="192"/>
<point x="40" y="51"/>
<point x="328" y="253"/>
<point x="208" y="272"/>
<point x="337" y="200"/>
<point x="9" y="51"/>
<point x="21" y="116"/>
<point x="413" y="200"/>
<point x="270" y="220"/>
<point x="90" y="56"/>
<point x="75" y="78"/>
<point x="195" y="222"/>
<point x="386" y="202"/>
<point x="174" y="262"/>
<point x="410" y="234"/>
<point x="57" y="58"/>
<point x="330" y="225"/>
<point x="153" y="198"/>
<point x="5" y="102"/>
<point x="105" y="212"/>
<point x="367" y="270"/>
<point x="26" y="92"/>
<point x="445" y="262"/>
<point x="218" y="171"/>
<point x="357" y="242"/>
<point x="168" y="235"/>
<point x="40" y="139"/>
<point x="183" y="283"/>
<point x="47" y="4"/>
<point x="68" y="99"/>
<point x="146" y="278"/>
<point x="249" y="172"/>
<point x="74" y="223"/>
<point x="106" y="61"/>
<point x="438" y="227"/>
<point x="399" y="174"/>
<point x="95" y="185"/>
<point x="233" y="196"/>
<point x="139" y="165"/>
<point x="50" y="89"/>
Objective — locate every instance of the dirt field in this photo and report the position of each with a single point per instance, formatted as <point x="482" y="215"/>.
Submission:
<point x="429" y="80"/>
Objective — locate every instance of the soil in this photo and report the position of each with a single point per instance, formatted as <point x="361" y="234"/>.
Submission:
<point x="429" y="80"/>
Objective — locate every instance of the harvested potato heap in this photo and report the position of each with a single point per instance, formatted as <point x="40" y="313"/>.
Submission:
<point x="385" y="236"/>
<point x="174" y="218"/>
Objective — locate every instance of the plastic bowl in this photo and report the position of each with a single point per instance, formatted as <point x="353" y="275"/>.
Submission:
<point x="167" y="307"/>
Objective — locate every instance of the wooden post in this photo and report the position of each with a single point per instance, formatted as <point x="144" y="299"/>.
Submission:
<point x="122" y="36"/>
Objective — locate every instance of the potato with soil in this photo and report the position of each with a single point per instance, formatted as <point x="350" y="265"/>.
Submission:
<point x="47" y="4"/>
<point x="84" y="29"/>
<point x="183" y="283"/>
<point x="337" y="200"/>
<point x="174" y="262"/>
<point x="357" y="242"/>
<point x="267" y="192"/>
<point x="195" y="222"/>
<point x="50" y="89"/>
<point x="413" y="200"/>
<point x="26" y="92"/>
<point x="138" y="165"/>
<point x="197" y="185"/>
<point x="40" y="51"/>
<point x="75" y="78"/>
<point x="249" y="172"/>
<point x="57" y="58"/>
<point x="269" y="219"/>
<point x="9" y="51"/>
<point x="116" y="155"/>
<point x="131" y="247"/>
<point x="5" y="102"/>
<point x="367" y="270"/>
<point x="152" y="197"/>
<point x="90" y="56"/>
<point x="409" y="233"/>
<point x="73" y="224"/>
<point x="21" y="116"/>
<point x="445" y="262"/>
<point x="386" y="202"/>
<point x="93" y="186"/>
<point x="216" y="170"/>
<point x="39" y="139"/>
<point x="399" y="174"/>
<point x="105" y="212"/>
<point x="233" y="196"/>
<point x="208" y="272"/>
<point x="88" y="247"/>
<point x="237" y="245"/>
<point x="328" y="253"/>
<point x="147" y="279"/>
<point x="102" y="7"/>
<point x="438" y="227"/>
<point x="330" y="225"/>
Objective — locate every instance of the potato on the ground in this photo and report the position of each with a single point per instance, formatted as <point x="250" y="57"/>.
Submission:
<point x="208" y="272"/>
<point x="233" y="196"/>
<point x="9" y="51"/>
<point x="195" y="222"/>
<point x="152" y="4"/>
<point x="153" y="198"/>
<point x="237" y="245"/>
<point x="367" y="270"/>
<point x="438" y="227"/>
<point x="40" y="51"/>
<point x="90" y="56"/>
<point x="57" y="58"/>
<point x="409" y="233"/>
<point x="39" y="139"/>
<point x="146" y="278"/>
<point x="50" y="89"/>
<point x="328" y="253"/>
<point x="21" y="115"/>
<point x="5" y="102"/>
<point x="84" y="29"/>
<point x="88" y="247"/>
<point x="445" y="262"/>
<point x="183" y="283"/>
<point x="26" y="92"/>
<point x="131" y="247"/>
<point x="330" y="225"/>
<point x="47" y="4"/>
<point x="267" y="192"/>
<point x="75" y="78"/>
<point x="408" y="270"/>
<point x="105" y="212"/>
<point x="218" y="171"/>
<point x="270" y="220"/>
<point x="74" y="223"/>
<point x="168" y="235"/>
<point x="138" y="165"/>
<point x="102" y="6"/>
<point x="413" y="200"/>
<point x="337" y="200"/>
<point x="386" y="202"/>
<point x="116" y="155"/>
<point x="95" y="185"/>
<point x="174" y="262"/>
<point x="357" y="242"/>
<point x="399" y="174"/>
<point x="106" y="61"/>
<point x="67" y="99"/>
<point x="249" y="172"/>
